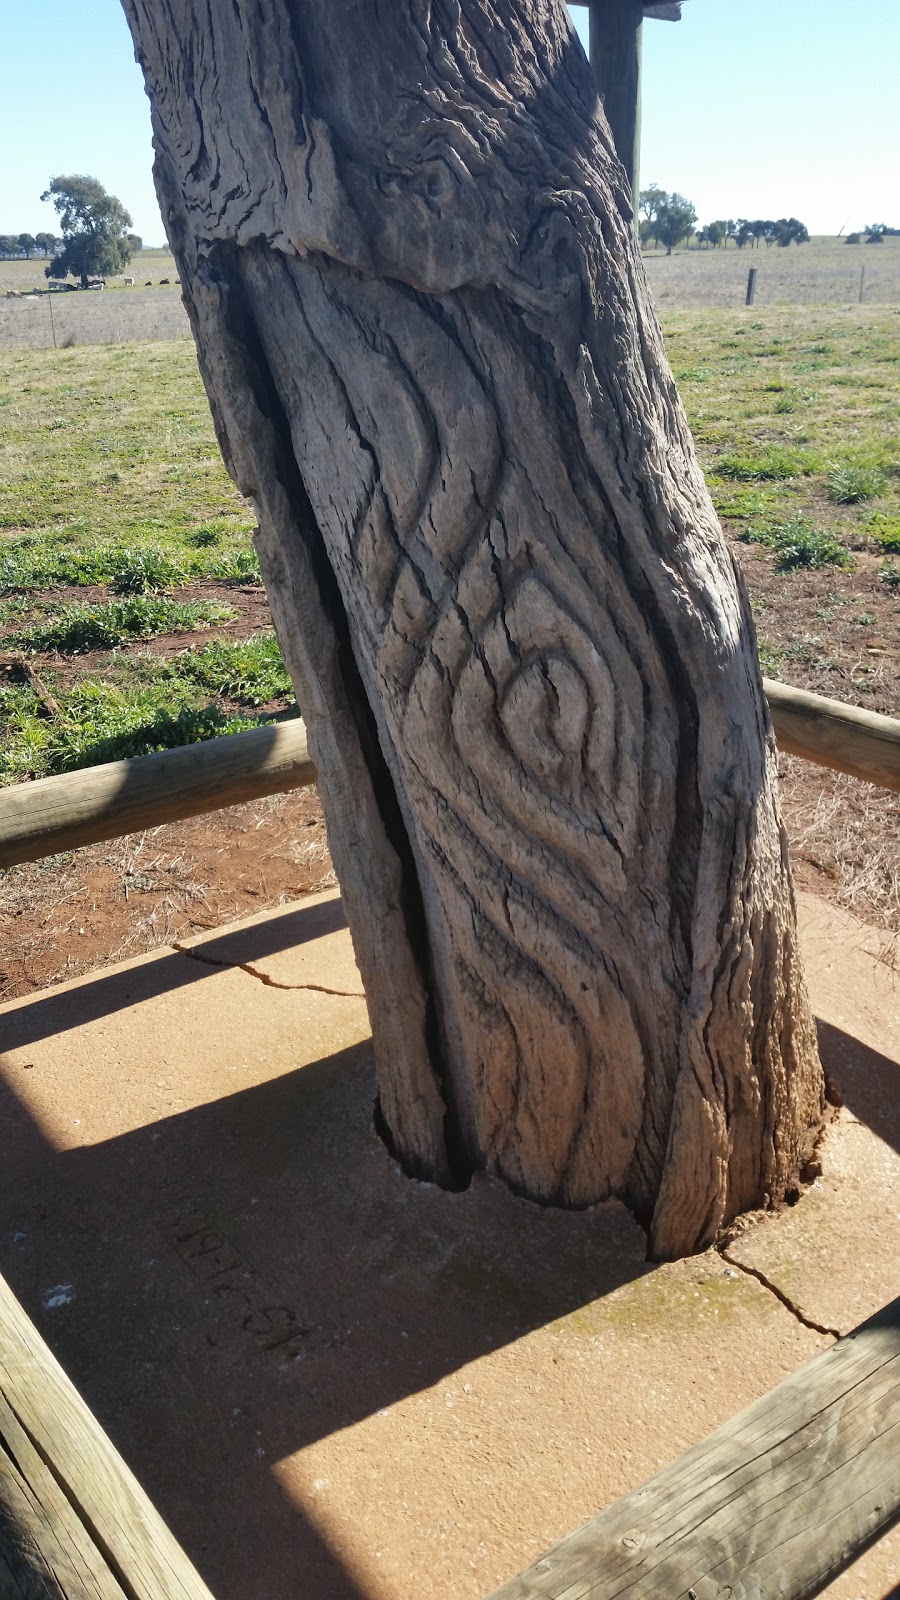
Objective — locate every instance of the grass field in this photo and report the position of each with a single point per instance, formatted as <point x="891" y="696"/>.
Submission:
<point x="824" y="271"/>
<point x="131" y="615"/>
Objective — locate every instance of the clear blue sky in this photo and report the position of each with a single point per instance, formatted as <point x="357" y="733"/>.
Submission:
<point x="751" y="108"/>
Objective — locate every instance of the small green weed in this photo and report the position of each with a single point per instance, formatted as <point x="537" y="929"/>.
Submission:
<point x="203" y="537"/>
<point x="885" y="531"/>
<point x="847" y="484"/>
<point x="145" y="571"/>
<point x="772" y="464"/>
<point x="236" y="566"/>
<point x="250" y="671"/>
<point x="890" y="574"/>
<point x="78" y="628"/>
<point x="769" y="658"/>
<point x="797" y="544"/>
<point x="100" y="722"/>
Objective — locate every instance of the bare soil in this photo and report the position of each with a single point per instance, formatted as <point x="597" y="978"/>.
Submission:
<point x="75" y="912"/>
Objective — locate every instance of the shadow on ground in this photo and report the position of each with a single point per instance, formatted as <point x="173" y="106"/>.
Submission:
<point x="245" y="1277"/>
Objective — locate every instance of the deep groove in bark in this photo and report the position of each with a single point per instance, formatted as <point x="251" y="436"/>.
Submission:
<point x="270" y="403"/>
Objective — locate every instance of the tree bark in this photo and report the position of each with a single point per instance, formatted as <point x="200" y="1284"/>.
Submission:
<point x="523" y="654"/>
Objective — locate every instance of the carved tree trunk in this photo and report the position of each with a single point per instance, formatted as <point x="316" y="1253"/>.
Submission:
<point x="524" y="657"/>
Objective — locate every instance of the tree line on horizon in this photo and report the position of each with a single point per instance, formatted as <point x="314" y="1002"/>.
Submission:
<point x="670" y="219"/>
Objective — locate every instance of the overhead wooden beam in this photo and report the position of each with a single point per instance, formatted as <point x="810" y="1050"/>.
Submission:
<point x="75" y="1524"/>
<point x="614" y="39"/>
<point x="775" y="1503"/>
<point x="52" y="814"/>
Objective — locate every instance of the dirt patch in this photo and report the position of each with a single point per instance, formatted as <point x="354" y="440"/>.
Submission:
<point x="836" y="633"/>
<point x="73" y="913"/>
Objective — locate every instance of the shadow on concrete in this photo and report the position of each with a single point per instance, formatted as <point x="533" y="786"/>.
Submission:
<point x="101" y="995"/>
<point x="869" y="1082"/>
<point x="248" y="1276"/>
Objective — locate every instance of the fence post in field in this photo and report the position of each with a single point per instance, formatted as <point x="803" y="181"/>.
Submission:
<point x="862" y="282"/>
<point x="751" y="286"/>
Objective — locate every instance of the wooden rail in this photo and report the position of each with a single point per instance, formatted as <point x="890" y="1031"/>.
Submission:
<point x="74" y="1522"/>
<point x="774" y="1504"/>
<point x="52" y="814"/>
<point x="834" y="735"/>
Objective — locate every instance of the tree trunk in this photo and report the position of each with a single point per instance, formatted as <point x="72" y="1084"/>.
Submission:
<point x="523" y="654"/>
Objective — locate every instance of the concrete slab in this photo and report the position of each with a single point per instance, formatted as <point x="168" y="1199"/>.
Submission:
<point x="303" y="946"/>
<point x="333" y="1381"/>
<point x="837" y="1254"/>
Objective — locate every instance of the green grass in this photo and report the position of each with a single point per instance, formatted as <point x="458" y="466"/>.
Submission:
<point x="775" y="444"/>
<point x="76" y="629"/>
<point x="848" y="484"/>
<point x="250" y="671"/>
<point x="113" y="443"/>
<point x="798" y="544"/>
<point x="769" y="464"/>
<point x="100" y="721"/>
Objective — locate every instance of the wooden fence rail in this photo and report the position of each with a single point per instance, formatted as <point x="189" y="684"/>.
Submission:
<point x="834" y="735"/>
<point x="53" y="814"/>
<point x="770" y="1507"/>
<point x="74" y="1522"/>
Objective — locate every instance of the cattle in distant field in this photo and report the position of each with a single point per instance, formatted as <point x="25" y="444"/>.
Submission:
<point x="162" y="281"/>
<point x="128" y="282"/>
<point x="14" y="294"/>
<point x="149" y="284"/>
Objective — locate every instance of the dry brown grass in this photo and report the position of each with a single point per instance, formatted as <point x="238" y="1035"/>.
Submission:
<point x="849" y="834"/>
<point x="823" y="272"/>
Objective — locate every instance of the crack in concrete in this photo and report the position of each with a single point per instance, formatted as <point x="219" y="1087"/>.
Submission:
<point x="264" y="977"/>
<point x="754" y="1272"/>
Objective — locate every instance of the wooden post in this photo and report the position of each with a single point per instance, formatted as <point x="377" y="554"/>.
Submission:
<point x="751" y="286"/>
<point x="615" y="36"/>
<point x="862" y="282"/>
<point x="74" y="1522"/>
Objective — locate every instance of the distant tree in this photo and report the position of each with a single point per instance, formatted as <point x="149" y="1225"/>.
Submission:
<point x="713" y="234"/>
<point x="94" y="229"/>
<point x="743" y="232"/>
<point x="46" y="242"/>
<point x="789" y="230"/>
<point x="136" y="242"/>
<point x="853" y="238"/>
<point x="648" y="206"/>
<point x="875" y="232"/>
<point x="9" y="244"/>
<point x="763" y="230"/>
<point x="675" y="220"/>
<point x="27" y="244"/>
<point x="730" y="229"/>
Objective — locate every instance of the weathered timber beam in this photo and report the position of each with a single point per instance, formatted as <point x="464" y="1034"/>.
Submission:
<point x="74" y="1521"/>
<point x="834" y="735"/>
<point x="614" y="39"/>
<point x="52" y="814"/>
<point x="773" y="1505"/>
